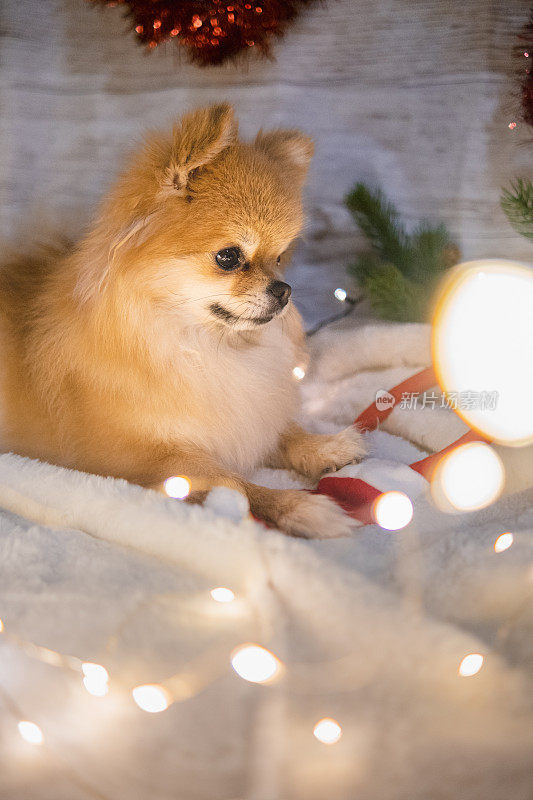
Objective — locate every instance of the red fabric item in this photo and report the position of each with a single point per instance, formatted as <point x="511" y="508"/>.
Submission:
<point x="426" y="466"/>
<point x="354" y="496"/>
<point x="371" y="417"/>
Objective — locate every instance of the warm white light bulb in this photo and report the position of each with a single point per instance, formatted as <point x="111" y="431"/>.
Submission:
<point x="178" y="486"/>
<point x="482" y="340"/>
<point x="393" y="510"/>
<point x="299" y="373"/>
<point x="30" y="732"/>
<point x="95" y="672"/>
<point x="341" y="294"/>
<point x="151" y="697"/>
<point x="327" y="731"/>
<point x="469" y="478"/>
<point x="96" y="688"/>
<point x="470" y="665"/>
<point x="222" y="595"/>
<point x="255" y="663"/>
<point x="503" y="542"/>
<point x="95" y="679"/>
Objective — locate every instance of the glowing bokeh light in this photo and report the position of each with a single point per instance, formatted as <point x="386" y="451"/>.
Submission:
<point x="503" y="542"/>
<point x="468" y="478"/>
<point x="393" y="510"/>
<point x="1" y="626"/>
<point x="341" y="294"/>
<point x="470" y="665"/>
<point x="96" y="688"/>
<point x="255" y="663"/>
<point x="222" y="595"/>
<point x="482" y="340"/>
<point x="151" y="697"/>
<point x="327" y="731"/>
<point x="178" y="486"/>
<point x="95" y="671"/>
<point x="299" y="373"/>
<point x="30" y="732"/>
<point x="95" y="679"/>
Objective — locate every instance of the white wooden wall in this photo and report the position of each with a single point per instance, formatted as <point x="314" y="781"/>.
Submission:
<point x="413" y="95"/>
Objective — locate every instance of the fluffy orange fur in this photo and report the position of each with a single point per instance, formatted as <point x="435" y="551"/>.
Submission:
<point x="135" y="355"/>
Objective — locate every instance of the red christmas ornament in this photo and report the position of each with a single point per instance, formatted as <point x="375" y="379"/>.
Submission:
<point x="211" y="31"/>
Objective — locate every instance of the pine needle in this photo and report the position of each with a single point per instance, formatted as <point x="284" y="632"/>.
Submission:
<point x="517" y="204"/>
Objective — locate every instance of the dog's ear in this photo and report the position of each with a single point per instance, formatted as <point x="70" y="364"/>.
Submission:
<point x="161" y="169"/>
<point x="292" y="148"/>
<point x="196" y="140"/>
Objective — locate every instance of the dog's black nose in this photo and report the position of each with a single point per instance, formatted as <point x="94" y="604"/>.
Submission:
<point x="281" y="291"/>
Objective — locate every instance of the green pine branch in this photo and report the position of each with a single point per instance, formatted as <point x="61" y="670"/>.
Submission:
<point x="365" y="266"/>
<point x="393" y="296"/>
<point x="428" y="252"/>
<point x="379" y="221"/>
<point x="517" y="204"/>
<point x="401" y="271"/>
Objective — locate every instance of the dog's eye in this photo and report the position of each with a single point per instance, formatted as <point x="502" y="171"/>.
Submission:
<point x="278" y="260"/>
<point x="230" y="258"/>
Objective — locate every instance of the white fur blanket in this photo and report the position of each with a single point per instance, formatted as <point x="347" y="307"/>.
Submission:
<point x="371" y="629"/>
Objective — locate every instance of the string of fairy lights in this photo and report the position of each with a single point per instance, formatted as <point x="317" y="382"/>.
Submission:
<point x="252" y="662"/>
<point x="468" y="478"/>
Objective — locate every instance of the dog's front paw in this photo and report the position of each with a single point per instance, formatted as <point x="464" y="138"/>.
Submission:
<point x="314" y="516"/>
<point x="346" y="447"/>
<point x="320" y="454"/>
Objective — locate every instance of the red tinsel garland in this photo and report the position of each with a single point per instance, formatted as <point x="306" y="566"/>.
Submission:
<point x="211" y="31"/>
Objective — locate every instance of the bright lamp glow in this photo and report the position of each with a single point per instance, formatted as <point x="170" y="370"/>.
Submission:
<point x="327" y="731"/>
<point x="178" y="486"/>
<point x="482" y="344"/>
<point x="469" y="478"/>
<point x="298" y="373"/>
<point x="503" y="542"/>
<point x="151" y="697"/>
<point x="1" y="626"/>
<point x="470" y="665"/>
<point x="222" y="595"/>
<point x="255" y="663"/>
<point x="30" y="732"/>
<point x="393" y="510"/>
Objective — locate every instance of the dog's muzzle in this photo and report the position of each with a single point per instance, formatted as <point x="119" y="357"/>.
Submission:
<point x="279" y="292"/>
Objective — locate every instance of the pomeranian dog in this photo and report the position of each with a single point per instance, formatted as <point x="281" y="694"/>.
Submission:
<point x="164" y="343"/>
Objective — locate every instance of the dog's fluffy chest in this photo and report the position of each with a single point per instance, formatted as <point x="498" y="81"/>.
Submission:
<point x="235" y="397"/>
